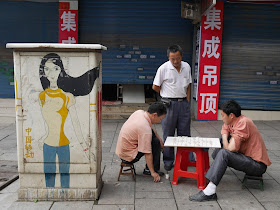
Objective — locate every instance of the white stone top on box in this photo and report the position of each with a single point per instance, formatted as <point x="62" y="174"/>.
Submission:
<point x="57" y="46"/>
<point x="184" y="141"/>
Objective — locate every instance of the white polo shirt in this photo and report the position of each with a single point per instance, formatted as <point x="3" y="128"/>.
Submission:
<point x="172" y="83"/>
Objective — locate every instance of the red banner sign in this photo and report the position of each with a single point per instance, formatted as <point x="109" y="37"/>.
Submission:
<point x="210" y="61"/>
<point x="68" y="24"/>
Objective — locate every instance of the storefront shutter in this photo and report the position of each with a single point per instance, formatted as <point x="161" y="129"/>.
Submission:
<point x="137" y="34"/>
<point x="23" y="22"/>
<point x="250" y="70"/>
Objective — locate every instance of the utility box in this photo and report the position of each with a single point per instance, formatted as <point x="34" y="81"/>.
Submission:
<point x="58" y="118"/>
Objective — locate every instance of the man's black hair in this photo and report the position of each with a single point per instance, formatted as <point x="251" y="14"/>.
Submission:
<point x="158" y="108"/>
<point x="173" y="49"/>
<point x="231" y="106"/>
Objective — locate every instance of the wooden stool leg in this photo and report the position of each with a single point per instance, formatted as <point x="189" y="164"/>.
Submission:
<point x="120" y="172"/>
<point x="127" y="167"/>
<point x="132" y="172"/>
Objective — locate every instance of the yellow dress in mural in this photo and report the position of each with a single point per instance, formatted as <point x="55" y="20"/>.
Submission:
<point x="55" y="105"/>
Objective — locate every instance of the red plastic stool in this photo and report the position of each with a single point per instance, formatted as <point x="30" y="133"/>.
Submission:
<point x="182" y="163"/>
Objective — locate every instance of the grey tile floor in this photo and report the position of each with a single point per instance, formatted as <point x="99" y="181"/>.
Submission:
<point x="143" y="193"/>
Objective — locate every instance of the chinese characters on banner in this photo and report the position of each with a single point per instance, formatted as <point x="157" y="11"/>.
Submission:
<point x="68" y="23"/>
<point x="210" y="61"/>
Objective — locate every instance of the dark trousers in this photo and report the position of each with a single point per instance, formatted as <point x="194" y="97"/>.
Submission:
<point x="224" y="158"/>
<point x="156" y="150"/>
<point x="177" y="117"/>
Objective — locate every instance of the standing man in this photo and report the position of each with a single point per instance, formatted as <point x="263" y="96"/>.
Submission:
<point x="243" y="149"/>
<point x="172" y="81"/>
<point x="137" y="138"/>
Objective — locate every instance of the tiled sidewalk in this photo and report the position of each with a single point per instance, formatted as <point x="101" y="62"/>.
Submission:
<point x="143" y="193"/>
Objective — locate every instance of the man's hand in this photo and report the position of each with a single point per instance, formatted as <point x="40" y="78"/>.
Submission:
<point x="229" y="145"/>
<point x="149" y="161"/>
<point x="155" y="176"/>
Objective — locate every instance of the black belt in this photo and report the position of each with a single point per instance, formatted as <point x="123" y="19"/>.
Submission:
<point x="177" y="99"/>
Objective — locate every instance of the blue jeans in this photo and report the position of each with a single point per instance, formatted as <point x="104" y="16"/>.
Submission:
<point x="63" y="154"/>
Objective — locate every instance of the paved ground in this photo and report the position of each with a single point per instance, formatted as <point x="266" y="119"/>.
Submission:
<point x="143" y="193"/>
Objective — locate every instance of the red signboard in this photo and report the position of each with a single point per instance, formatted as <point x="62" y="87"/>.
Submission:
<point x="210" y="61"/>
<point x="68" y="24"/>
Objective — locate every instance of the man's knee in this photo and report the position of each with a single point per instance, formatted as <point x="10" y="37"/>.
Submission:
<point x="220" y="153"/>
<point x="214" y="153"/>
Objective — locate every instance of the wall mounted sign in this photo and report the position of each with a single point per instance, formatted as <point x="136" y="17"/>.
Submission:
<point x="68" y="22"/>
<point x="210" y="61"/>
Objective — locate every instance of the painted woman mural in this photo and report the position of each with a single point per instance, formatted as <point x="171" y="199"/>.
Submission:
<point x="57" y="101"/>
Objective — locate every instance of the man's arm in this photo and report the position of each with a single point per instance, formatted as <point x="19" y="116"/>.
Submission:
<point x="230" y="146"/>
<point x="149" y="161"/>
<point x="189" y="93"/>
<point x="156" y="88"/>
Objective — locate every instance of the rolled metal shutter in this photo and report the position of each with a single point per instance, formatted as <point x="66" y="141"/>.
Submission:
<point x="23" y="21"/>
<point x="137" y="34"/>
<point x="250" y="68"/>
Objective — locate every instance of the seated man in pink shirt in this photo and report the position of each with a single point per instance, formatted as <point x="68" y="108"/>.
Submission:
<point x="243" y="149"/>
<point x="137" y="138"/>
